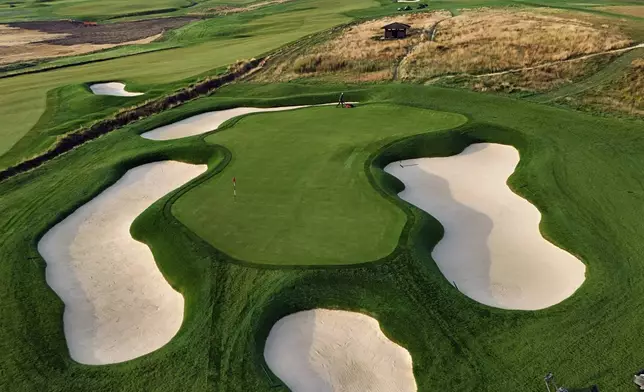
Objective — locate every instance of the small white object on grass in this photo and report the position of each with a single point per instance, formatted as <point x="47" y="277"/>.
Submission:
<point x="639" y="381"/>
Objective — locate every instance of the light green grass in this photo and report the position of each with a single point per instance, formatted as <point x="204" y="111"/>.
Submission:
<point x="23" y="98"/>
<point x="102" y="10"/>
<point x="303" y="195"/>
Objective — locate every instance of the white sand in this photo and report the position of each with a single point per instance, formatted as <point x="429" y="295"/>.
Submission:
<point x="118" y="306"/>
<point x="337" y="351"/>
<point x="210" y="121"/>
<point x="492" y="248"/>
<point x="113" y="88"/>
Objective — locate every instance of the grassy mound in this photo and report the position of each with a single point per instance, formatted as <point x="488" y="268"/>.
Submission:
<point x="303" y="197"/>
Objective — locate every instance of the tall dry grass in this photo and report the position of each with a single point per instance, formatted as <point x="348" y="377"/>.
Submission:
<point x="358" y="51"/>
<point x="626" y="95"/>
<point x="532" y="80"/>
<point x="486" y="40"/>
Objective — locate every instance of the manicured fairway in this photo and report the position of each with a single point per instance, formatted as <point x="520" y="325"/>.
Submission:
<point x="219" y="42"/>
<point x="303" y="194"/>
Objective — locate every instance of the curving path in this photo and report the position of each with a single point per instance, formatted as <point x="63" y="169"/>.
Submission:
<point x="112" y="88"/>
<point x="325" y="350"/>
<point x="118" y="305"/>
<point x="492" y="249"/>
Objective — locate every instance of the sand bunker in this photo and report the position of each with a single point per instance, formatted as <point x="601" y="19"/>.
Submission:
<point x="337" y="351"/>
<point x="205" y="122"/>
<point x="118" y="306"/>
<point x="113" y="88"/>
<point x="492" y="249"/>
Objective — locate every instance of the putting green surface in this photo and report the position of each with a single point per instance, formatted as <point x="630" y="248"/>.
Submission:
<point x="303" y="196"/>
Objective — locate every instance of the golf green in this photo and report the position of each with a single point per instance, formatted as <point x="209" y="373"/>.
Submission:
<point x="303" y="196"/>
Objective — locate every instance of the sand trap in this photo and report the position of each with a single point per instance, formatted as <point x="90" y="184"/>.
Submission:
<point x="492" y="249"/>
<point x="118" y="306"/>
<point x="337" y="351"/>
<point x="112" y="88"/>
<point x="210" y="121"/>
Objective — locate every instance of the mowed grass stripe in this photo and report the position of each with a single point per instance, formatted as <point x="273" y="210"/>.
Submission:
<point x="303" y="197"/>
<point x="23" y="98"/>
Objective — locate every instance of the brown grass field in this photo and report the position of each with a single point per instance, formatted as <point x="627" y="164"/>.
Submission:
<point x="482" y="41"/>
<point x="15" y="36"/>
<point x="358" y="53"/>
<point x="475" y="42"/>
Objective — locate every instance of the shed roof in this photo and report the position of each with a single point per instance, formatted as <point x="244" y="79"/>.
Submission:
<point x="396" y="26"/>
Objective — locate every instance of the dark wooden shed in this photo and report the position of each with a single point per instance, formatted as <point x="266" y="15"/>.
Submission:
<point x="396" y="30"/>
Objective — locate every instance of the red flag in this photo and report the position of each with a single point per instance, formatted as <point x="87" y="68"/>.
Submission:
<point x="234" y="180"/>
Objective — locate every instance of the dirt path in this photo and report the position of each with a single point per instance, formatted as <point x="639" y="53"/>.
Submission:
<point x="515" y="70"/>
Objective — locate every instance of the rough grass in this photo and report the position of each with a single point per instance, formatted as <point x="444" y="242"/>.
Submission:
<point x="625" y="95"/>
<point x="531" y="81"/>
<point x="486" y="40"/>
<point x="311" y="203"/>
<point x="472" y="42"/>
<point x="358" y="50"/>
<point x="39" y="51"/>
<point x="582" y="172"/>
<point x="204" y="47"/>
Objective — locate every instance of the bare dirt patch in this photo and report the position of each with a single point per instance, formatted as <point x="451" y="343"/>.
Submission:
<point x="42" y="50"/>
<point x="631" y="10"/>
<point x="14" y="36"/>
<point x="47" y="39"/>
<point x="111" y="33"/>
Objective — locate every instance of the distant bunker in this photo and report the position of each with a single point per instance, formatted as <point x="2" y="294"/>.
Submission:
<point x="396" y="30"/>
